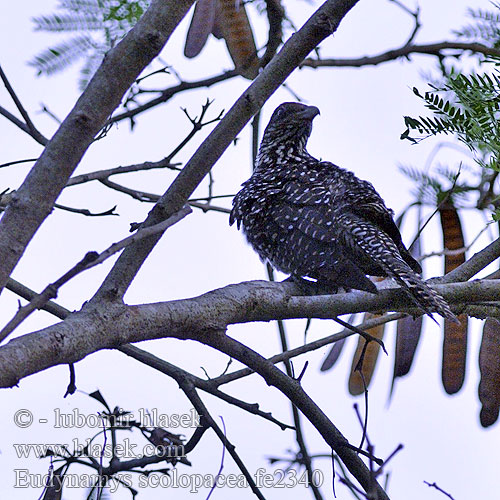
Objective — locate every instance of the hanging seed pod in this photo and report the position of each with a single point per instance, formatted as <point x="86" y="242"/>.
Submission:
<point x="224" y="19"/>
<point x="365" y="358"/>
<point x="455" y="335"/>
<point x="489" y="366"/>
<point x="407" y="335"/>
<point x="201" y="26"/>
<point x="232" y="22"/>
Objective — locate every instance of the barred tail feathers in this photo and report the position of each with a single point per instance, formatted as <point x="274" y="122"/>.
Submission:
<point x="378" y="246"/>
<point x="425" y="297"/>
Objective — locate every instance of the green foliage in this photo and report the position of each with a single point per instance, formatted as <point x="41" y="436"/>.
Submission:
<point x="61" y="56"/>
<point x="471" y="113"/>
<point x="446" y="184"/>
<point x="485" y="27"/>
<point x="99" y="25"/>
<point x="466" y="106"/>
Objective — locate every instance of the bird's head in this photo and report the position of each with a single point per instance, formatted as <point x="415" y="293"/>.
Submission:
<point x="291" y="123"/>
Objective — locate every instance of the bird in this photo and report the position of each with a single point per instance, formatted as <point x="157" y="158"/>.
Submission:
<point x="318" y="222"/>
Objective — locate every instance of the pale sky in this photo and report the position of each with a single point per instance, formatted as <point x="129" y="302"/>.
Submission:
<point x="361" y="119"/>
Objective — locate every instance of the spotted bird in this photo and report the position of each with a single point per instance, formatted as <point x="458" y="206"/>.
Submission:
<point x="316" y="221"/>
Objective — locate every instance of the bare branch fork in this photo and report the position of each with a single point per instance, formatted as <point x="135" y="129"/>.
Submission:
<point x="90" y="260"/>
<point x="121" y="67"/>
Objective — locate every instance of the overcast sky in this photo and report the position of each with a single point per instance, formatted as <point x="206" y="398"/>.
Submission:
<point x="361" y="119"/>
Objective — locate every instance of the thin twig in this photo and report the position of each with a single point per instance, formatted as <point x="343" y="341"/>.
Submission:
<point x="134" y="193"/>
<point x="432" y="49"/>
<point x="441" y="204"/>
<point x="104" y="174"/>
<point x="416" y="16"/>
<point x="205" y="385"/>
<point x="153" y="198"/>
<point x="86" y="211"/>
<point x="472" y="266"/>
<point x="434" y="485"/>
<point x="33" y="131"/>
<point x="16" y="162"/>
<point x="90" y="260"/>
<point x="366" y="336"/>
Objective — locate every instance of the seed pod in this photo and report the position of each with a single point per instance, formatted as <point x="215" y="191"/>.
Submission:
<point x="489" y="366"/>
<point x="455" y="334"/>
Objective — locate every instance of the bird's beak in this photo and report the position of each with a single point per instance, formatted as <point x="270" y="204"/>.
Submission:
<point x="309" y="113"/>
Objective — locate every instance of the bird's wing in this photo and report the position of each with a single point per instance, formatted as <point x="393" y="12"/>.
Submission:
<point x="306" y="221"/>
<point x="365" y="202"/>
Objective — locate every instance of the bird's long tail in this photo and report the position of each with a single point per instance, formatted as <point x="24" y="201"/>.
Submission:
<point x="421" y="293"/>
<point x="380" y="248"/>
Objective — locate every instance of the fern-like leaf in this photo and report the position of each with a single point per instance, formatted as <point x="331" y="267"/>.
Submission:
<point x="61" y="56"/>
<point x="100" y="24"/>
<point x="93" y="62"/>
<point x="83" y="21"/>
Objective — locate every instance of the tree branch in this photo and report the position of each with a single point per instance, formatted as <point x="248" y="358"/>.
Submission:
<point x="109" y="325"/>
<point x="19" y="123"/>
<point x="189" y="390"/>
<point x="121" y="66"/>
<point x="321" y="24"/>
<point x="431" y="49"/>
<point x="31" y="129"/>
<point x="474" y="265"/>
<point x="104" y="174"/>
<point x="205" y="385"/>
<point x="292" y="389"/>
<point x="168" y="93"/>
<point x="317" y="344"/>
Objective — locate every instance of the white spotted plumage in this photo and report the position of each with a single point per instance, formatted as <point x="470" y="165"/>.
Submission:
<point x="313" y="219"/>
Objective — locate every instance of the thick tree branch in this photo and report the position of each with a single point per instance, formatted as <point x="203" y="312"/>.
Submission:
<point x="212" y="384"/>
<point x="122" y="65"/>
<point x="109" y="325"/>
<point x="321" y="24"/>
